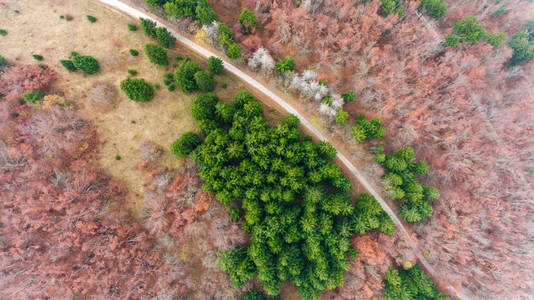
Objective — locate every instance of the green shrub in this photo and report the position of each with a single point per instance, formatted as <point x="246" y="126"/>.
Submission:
<point x="328" y="100"/>
<point x="68" y="64"/>
<point x="225" y="36"/>
<point x="171" y="87"/>
<point x="254" y="294"/>
<point x="522" y="42"/>
<point x="134" y="52"/>
<point x="466" y="30"/>
<point x="148" y="26"/>
<point x="185" y="76"/>
<point x="341" y="116"/>
<point x="85" y="63"/>
<point x="132" y="72"/>
<point x="165" y="38"/>
<point x="118" y="157"/>
<point x="157" y="54"/>
<point x="348" y="96"/>
<point x="285" y="65"/>
<point x="205" y="81"/>
<point x="33" y="96"/>
<point x="224" y="85"/>
<point x="91" y="19"/>
<point x="132" y="27"/>
<point x="435" y="8"/>
<point x="204" y="106"/>
<point x="205" y="15"/>
<point x="495" y="38"/>
<point x="412" y="283"/>
<point x="248" y="20"/>
<point x="3" y="32"/>
<point x="137" y="89"/>
<point x="215" y="65"/>
<point x="323" y="82"/>
<point x="452" y="40"/>
<point x="38" y="57"/>
<point x="42" y="66"/>
<point x="367" y="129"/>
<point x="391" y="6"/>
<point x="234" y="50"/>
<point x="186" y="144"/>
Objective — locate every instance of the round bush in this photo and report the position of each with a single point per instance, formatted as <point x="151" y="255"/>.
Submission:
<point x="137" y="89"/>
<point x="185" y="76"/>
<point x="215" y="65"/>
<point x="204" y="106"/>
<point x="157" y="54"/>
<point x="183" y="146"/>
<point x="85" y="63"/>
<point x="205" y="81"/>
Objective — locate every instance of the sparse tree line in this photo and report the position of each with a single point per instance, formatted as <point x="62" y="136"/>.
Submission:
<point x="292" y="198"/>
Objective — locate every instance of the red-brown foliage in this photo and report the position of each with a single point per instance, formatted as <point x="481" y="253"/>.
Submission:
<point x="17" y="80"/>
<point x="463" y="110"/>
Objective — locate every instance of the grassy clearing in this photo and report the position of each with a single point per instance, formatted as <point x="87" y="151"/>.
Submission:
<point x="38" y="29"/>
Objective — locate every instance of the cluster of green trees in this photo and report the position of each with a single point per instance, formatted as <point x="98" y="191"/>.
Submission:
<point x="468" y="30"/>
<point x="201" y="11"/>
<point x="522" y="42"/>
<point x="410" y="284"/>
<point x="401" y="169"/>
<point x="190" y="77"/>
<point x="164" y="37"/>
<point x="85" y="63"/>
<point x="367" y="129"/>
<point x="293" y="199"/>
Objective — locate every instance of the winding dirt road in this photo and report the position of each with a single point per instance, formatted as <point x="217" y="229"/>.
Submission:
<point x="136" y="13"/>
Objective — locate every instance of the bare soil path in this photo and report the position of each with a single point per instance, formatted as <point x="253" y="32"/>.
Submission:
<point x="307" y="124"/>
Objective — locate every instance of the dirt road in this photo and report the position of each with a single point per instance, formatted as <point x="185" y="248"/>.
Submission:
<point x="348" y="165"/>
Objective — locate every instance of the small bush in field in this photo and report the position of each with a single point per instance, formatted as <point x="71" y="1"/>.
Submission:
<point x="205" y="81"/>
<point x="91" y="19"/>
<point x="85" y="63"/>
<point x="41" y="66"/>
<point x="68" y="17"/>
<point x="157" y="54"/>
<point x="3" y="32"/>
<point x="134" y="52"/>
<point x="132" y="27"/>
<point x="118" y="157"/>
<point x="137" y="89"/>
<point x="38" y="57"/>
<point x="183" y="146"/>
<point x="215" y="65"/>
<point x="33" y="96"/>
<point x="68" y="64"/>
<point x="132" y="72"/>
<point x="171" y="87"/>
<point x="224" y="85"/>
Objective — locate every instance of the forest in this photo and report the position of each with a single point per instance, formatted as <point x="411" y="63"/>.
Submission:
<point x="133" y="166"/>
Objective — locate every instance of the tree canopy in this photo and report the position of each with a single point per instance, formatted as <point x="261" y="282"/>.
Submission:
<point x="294" y="199"/>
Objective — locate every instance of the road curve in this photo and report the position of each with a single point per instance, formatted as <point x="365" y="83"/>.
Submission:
<point x="136" y="13"/>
